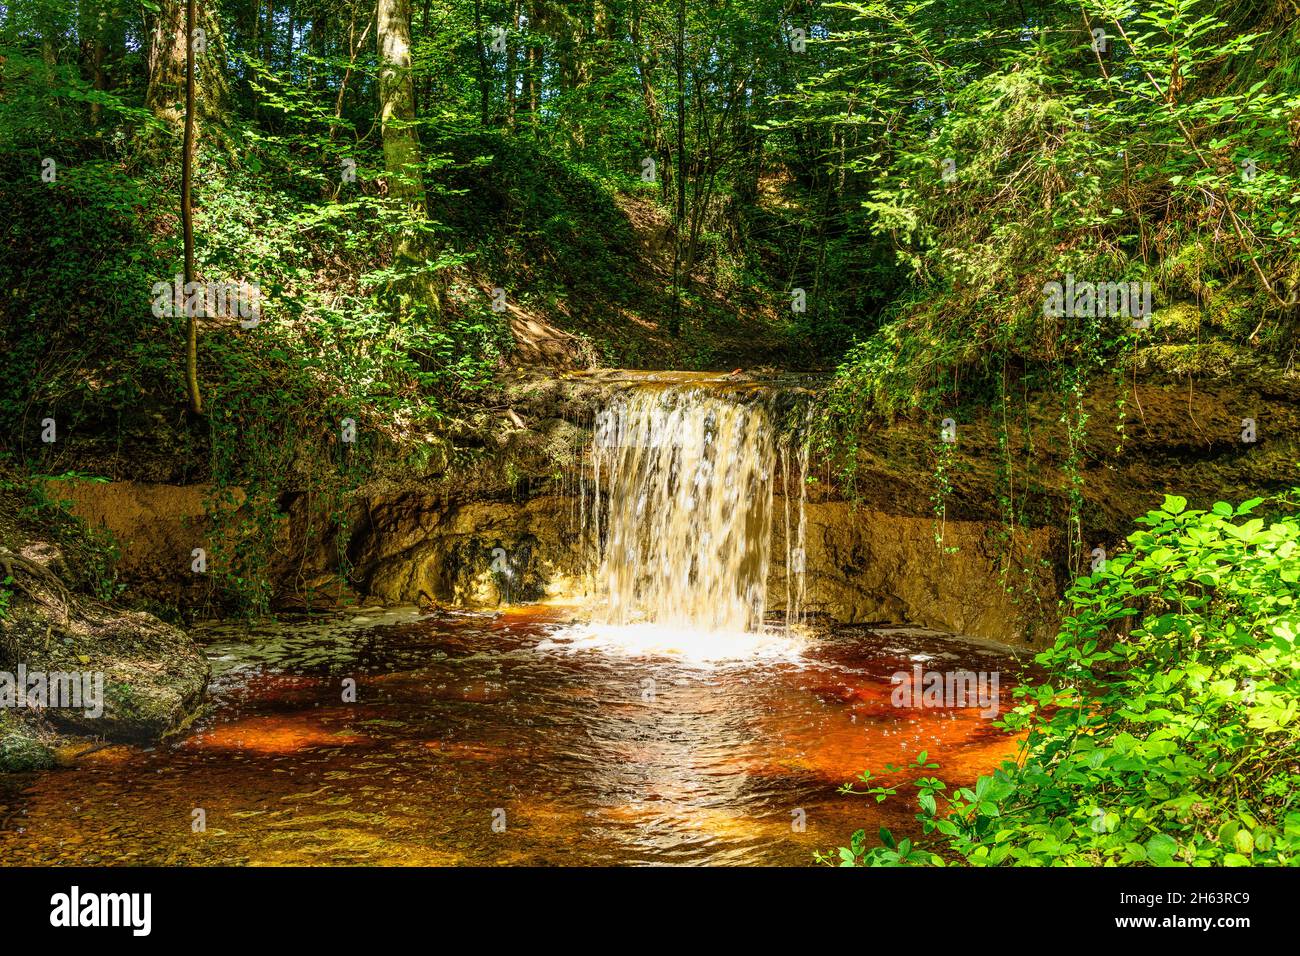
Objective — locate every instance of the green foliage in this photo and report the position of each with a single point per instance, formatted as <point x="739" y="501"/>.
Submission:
<point x="84" y="346"/>
<point x="79" y="337"/>
<point x="1165" y="732"/>
<point x="1149" y="161"/>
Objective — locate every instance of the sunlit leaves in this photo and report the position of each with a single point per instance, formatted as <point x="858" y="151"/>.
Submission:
<point x="1181" y="746"/>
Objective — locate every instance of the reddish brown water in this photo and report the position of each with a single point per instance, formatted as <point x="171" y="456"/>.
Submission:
<point x="471" y="720"/>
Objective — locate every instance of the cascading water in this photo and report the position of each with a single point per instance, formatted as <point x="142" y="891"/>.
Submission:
<point x="796" y="533"/>
<point x="683" y="509"/>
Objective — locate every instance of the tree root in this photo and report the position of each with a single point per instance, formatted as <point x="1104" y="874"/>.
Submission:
<point x="10" y="562"/>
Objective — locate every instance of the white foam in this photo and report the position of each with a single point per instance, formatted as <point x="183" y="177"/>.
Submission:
<point x="698" y="648"/>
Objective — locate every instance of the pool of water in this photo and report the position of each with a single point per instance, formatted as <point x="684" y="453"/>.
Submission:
<point x="514" y="738"/>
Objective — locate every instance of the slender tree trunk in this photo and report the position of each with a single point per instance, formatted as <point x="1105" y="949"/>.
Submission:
<point x="255" y="47"/>
<point x="679" y="217"/>
<point x="511" y="51"/>
<point x="288" y="55"/>
<point x="316" y="45"/>
<point x="187" y="220"/>
<point x="645" y="67"/>
<point x="572" y="68"/>
<point x="354" y="47"/>
<point x="98" y="54"/>
<point x="534" y="68"/>
<point x="426" y="88"/>
<point x="268" y="48"/>
<point x="482" y="63"/>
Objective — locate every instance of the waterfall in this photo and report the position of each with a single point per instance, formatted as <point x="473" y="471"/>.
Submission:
<point x="683" y="480"/>
<point x="796" y="534"/>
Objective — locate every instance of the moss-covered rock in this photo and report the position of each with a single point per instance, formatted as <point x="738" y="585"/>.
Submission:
<point x="151" y="674"/>
<point x="21" y="748"/>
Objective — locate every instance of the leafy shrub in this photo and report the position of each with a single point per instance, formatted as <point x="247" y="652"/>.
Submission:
<point x="1166" y="731"/>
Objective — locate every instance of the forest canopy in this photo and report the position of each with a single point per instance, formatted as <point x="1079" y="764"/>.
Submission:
<point x="887" y="185"/>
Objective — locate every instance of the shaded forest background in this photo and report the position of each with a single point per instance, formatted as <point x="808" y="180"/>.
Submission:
<point x="417" y="190"/>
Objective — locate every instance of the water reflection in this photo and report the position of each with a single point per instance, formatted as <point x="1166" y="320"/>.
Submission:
<point x="590" y="754"/>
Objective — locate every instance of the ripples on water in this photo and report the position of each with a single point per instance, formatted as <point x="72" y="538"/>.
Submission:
<point x="595" y="746"/>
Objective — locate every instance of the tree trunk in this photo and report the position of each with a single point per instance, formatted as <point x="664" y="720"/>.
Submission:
<point x="534" y="67"/>
<point x="316" y="45"/>
<point x="401" y="144"/>
<point x="645" y="67"/>
<point x="482" y="63"/>
<point x="254" y="46"/>
<point x="426" y="89"/>
<point x="98" y="53"/>
<point x="511" y="50"/>
<point x="397" y="103"/>
<point x="168" y="58"/>
<point x="679" y="213"/>
<point x="354" y="47"/>
<point x="187" y="219"/>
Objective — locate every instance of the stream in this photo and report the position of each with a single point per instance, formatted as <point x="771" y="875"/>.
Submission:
<point x="518" y="737"/>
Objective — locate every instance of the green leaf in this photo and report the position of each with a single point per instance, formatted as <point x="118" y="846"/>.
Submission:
<point x="1161" y="849"/>
<point x="1244" y="842"/>
<point x="1174" y="504"/>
